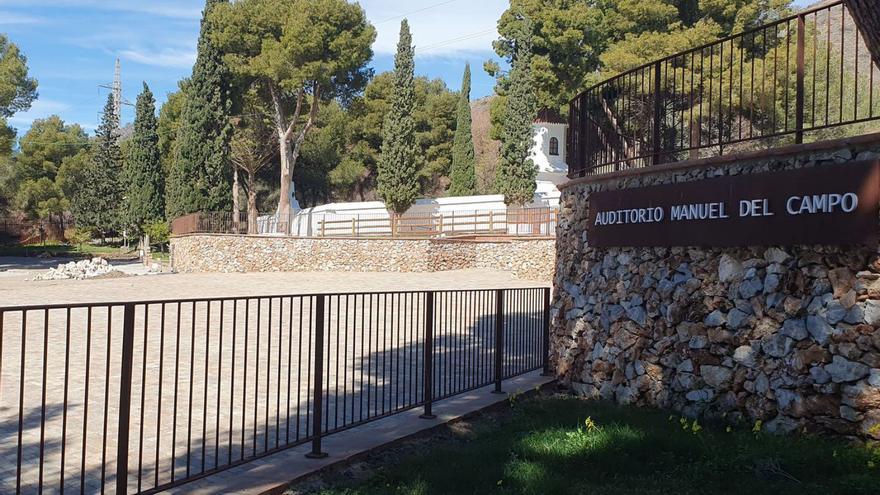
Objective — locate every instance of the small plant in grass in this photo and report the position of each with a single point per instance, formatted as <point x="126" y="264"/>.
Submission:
<point x="584" y="432"/>
<point x="590" y="424"/>
<point x="758" y="426"/>
<point x="514" y="397"/>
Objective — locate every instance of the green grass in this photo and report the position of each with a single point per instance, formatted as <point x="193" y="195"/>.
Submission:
<point x="160" y="256"/>
<point x="545" y="447"/>
<point x="54" y="248"/>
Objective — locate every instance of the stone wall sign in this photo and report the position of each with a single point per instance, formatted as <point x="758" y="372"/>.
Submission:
<point x="832" y="205"/>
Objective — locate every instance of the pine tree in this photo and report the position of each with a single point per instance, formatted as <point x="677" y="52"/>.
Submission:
<point x="516" y="173"/>
<point x="144" y="182"/>
<point x="97" y="203"/>
<point x="463" y="177"/>
<point x="200" y="179"/>
<point x="398" y="170"/>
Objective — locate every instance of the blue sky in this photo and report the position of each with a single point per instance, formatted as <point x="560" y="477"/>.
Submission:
<point x="72" y="46"/>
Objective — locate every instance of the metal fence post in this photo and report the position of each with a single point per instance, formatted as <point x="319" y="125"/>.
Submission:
<point x="429" y="356"/>
<point x="499" y="339"/>
<point x="546" y="333"/>
<point x="658" y="115"/>
<point x="318" y="392"/>
<point x="799" y="89"/>
<point x="125" y="399"/>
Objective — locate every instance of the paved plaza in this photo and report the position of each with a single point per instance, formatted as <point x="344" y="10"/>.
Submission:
<point x="217" y="382"/>
<point x="17" y="288"/>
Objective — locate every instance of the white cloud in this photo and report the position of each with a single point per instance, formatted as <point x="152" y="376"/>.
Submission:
<point x="439" y="28"/>
<point x="40" y="109"/>
<point x="162" y="58"/>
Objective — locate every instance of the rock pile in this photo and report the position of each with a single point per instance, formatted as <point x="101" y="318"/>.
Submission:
<point x="79" y="270"/>
<point x="789" y="336"/>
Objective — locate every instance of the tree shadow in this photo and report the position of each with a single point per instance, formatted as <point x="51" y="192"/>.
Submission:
<point x="391" y="379"/>
<point x="379" y="379"/>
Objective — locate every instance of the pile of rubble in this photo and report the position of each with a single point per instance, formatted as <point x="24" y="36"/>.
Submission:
<point x="79" y="270"/>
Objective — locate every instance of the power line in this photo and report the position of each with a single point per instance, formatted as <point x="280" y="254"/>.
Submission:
<point x="429" y="7"/>
<point x="452" y="41"/>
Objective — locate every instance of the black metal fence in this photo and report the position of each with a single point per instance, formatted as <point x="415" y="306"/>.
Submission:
<point x="806" y="77"/>
<point x="140" y="397"/>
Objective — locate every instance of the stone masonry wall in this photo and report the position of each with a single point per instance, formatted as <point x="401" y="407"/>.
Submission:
<point x="785" y="335"/>
<point x="527" y="258"/>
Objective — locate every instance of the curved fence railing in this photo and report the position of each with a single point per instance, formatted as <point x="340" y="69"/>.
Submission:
<point x="803" y="78"/>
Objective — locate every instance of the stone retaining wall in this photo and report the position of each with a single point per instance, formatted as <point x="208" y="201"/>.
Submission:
<point x="785" y="335"/>
<point x="526" y="258"/>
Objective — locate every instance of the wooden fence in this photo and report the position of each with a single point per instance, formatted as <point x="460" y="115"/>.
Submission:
<point x="518" y="222"/>
<point x="527" y="222"/>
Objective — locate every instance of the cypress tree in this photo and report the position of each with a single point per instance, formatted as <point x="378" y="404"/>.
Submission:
<point x="97" y="203"/>
<point x="200" y="179"/>
<point x="144" y="183"/>
<point x="463" y="177"/>
<point x="398" y="182"/>
<point x="516" y="173"/>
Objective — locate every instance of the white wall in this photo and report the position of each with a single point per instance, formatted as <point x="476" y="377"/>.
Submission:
<point x="540" y="152"/>
<point x="307" y="222"/>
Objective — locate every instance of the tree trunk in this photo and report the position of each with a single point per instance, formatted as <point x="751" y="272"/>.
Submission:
<point x="284" y="130"/>
<point x="148" y="256"/>
<point x="252" y="204"/>
<point x="289" y="147"/>
<point x="866" y="14"/>
<point x="286" y="154"/>
<point x="695" y="139"/>
<point x="236" y="224"/>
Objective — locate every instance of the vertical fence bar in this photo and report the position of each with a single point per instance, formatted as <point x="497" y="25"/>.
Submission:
<point x="658" y="111"/>
<point x="124" y="399"/>
<point x="799" y="90"/>
<point x="499" y="339"/>
<point x="43" y="399"/>
<point x="318" y="391"/>
<point x="21" y="383"/>
<point x="545" y="352"/>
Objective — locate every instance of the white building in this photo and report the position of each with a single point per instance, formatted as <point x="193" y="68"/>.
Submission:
<point x="548" y="150"/>
<point x="548" y="154"/>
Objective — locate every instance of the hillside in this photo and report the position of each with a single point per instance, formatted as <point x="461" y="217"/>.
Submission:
<point x="485" y="148"/>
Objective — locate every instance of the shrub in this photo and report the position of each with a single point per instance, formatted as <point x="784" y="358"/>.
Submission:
<point x="159" y="233"/>
<point x="79" y="235"/>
